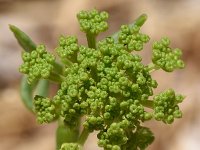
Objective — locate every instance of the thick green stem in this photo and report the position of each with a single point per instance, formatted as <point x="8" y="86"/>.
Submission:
<point x="91" y="39"/>
<point x="83" y="137"/>
<point x="65" y="134"/>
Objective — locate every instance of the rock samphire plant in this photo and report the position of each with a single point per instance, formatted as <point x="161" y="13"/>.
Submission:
<point x="102" y="87"/>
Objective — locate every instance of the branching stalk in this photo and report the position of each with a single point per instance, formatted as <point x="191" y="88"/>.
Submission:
<point x="83" y="137"/>
<point x="152" y="67"/>
<point x="65" y="134"/>
<point x="91" y="39"/>
<point x="148" y="103"/>
<point x="56" y="77"/>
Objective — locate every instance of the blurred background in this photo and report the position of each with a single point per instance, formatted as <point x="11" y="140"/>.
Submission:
<point x="46" y="20"/>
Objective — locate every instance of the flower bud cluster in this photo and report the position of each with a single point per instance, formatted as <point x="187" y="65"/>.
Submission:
<point x="37" y="64"/>
<point x="106" y="83"/>
<point x="93" y="22"/>
<point x="132" y="38"/>
<point x="166" y="107"/>
<point x="45" y="109"/>
<point x="140" y="139"/>
<point x="67" y="48"/>
<point x="70" y="146"/>
<point x="165" y="57"/>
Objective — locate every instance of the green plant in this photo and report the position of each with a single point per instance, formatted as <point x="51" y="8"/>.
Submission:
<point x="105" y="83"/>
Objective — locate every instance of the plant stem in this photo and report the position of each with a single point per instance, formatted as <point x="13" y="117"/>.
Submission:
<point x="148" y="103"/>
<point x="55" y="77"/>
<point x="152" y="67"/>
<point x="83" y="137"/>
<point x="91" y="39"/>
<point x="58" y="68"/>
<point x="67" y="62"/>
<point x="65" y="134"/>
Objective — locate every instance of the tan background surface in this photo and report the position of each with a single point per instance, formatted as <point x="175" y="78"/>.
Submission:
<point x="45" y="20"/>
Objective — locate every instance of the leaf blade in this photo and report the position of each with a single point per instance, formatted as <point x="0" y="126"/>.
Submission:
<point x="23" y="39"/>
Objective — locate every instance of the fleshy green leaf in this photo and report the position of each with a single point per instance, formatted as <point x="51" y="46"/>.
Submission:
<point x="23" y="39"/>
<point x="27" y="90"/>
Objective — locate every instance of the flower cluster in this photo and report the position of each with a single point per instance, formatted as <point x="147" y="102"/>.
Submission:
<point x="67" y="49"/>
<point x="44" y="109"/>
<point x="93" y="22"/>
<point x="166" y="106"/>
<point x="37" y="64"/>
<point x="130" y="36"/>
<point x="70" y="146"/>
<point x="165" y="57"/>
<point x="106" y="83"/>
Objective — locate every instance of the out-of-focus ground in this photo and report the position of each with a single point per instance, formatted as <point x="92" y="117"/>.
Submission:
<point x="45" y="20"/>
